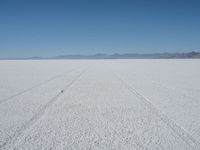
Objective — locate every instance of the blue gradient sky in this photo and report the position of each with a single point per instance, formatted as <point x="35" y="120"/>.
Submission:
<point x="55" y="27"/>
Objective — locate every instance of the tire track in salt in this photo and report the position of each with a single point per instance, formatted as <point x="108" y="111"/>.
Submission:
<point x="16" y="137"/>
<point x="171" y="89"/>
<point x="162" y="85"/>
<point x="37" y="85"/>
<point x="182" y="133"/>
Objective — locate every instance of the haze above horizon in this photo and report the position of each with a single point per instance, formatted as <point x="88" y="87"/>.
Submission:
<point x="46" y="28"/>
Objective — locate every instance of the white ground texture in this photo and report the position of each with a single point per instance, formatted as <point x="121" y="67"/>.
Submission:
<point x="100" y="104"/>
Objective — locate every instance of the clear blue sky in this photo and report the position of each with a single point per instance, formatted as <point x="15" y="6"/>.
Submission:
<point x="55" y="27"/>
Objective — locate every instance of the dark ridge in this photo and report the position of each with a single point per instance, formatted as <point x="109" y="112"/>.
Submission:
<point x="189" y="55"/>
<point x="133" y="56"/>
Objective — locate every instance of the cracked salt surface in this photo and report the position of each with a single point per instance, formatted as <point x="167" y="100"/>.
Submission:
<point x="102" y="104"/>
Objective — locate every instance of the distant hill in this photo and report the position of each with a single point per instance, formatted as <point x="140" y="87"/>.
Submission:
<point x="132" y="56"/>
<point x="189" y="55"/>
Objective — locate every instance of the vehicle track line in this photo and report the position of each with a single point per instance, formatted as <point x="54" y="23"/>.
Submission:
<point x="182" y="133"/>
<point x="39" y="114"/>
<point x="37" y="85"/>
<point x="160" y="84"/>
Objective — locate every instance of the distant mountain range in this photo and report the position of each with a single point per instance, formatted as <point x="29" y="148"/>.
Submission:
<point x="132" y="56"/>
<point x="189" y="55"/>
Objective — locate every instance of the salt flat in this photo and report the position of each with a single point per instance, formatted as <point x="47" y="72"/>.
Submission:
<point x="100" y="104"/>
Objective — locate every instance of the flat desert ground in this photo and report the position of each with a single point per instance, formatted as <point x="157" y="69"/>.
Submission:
<point x="100" y="104"/>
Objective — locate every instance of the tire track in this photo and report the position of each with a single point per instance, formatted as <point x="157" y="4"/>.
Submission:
<point x="162" y="85"/>
<point x="12" y="140"/>
<point x="182" y="133"/>
<point x="37" y="85"/>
